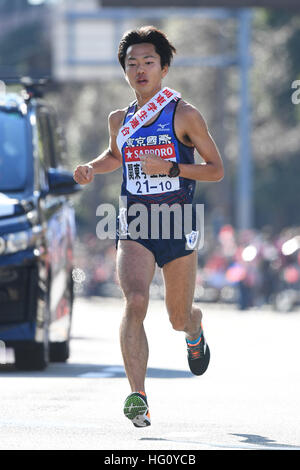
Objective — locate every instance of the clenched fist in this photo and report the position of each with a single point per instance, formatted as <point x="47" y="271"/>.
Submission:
<point x="83" y="174"/>
<point x="153" y="164"/>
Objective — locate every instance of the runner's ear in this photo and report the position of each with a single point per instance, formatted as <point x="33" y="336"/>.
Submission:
<point x="165" y="70"/>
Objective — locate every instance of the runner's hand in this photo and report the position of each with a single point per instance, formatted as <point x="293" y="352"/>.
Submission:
<point x="83" y="174"/>
<point x="153" y="164"/>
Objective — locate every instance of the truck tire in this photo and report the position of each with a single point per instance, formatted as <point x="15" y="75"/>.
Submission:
<point x="32" y="356"/>
<point x="59" y="352"/>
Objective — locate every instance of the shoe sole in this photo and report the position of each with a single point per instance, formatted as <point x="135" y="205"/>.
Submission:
<point x="136" y="409"/>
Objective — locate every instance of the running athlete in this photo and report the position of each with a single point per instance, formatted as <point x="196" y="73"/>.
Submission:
<point x="158" y="167"/>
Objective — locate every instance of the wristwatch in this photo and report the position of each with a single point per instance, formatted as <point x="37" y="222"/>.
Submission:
<point x="174" y="170"/>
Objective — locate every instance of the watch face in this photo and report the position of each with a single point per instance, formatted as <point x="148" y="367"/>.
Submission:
<point x="174" y="171"/>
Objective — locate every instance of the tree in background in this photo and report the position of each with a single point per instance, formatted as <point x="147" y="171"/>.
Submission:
<point x="25" y="47"/>
<point x="276" y="140"/>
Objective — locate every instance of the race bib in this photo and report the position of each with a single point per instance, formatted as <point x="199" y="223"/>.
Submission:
<point x="137" y="181"/>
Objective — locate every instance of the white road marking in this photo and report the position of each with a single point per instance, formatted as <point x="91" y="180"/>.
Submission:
<point x="95" y="375"/>
<point x="106" y="372"/>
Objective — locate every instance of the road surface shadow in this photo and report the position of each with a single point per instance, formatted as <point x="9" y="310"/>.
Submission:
<point x="251" y="439"/>
<point x="92" y="371"/>
<point x="258" y="440"/>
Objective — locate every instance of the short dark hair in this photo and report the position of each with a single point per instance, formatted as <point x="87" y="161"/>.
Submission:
<point x="151" y="35"/>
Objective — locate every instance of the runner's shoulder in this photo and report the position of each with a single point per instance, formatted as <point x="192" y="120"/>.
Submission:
<point x="187" y="110"/>
<point x="187" y="115"/>
<point x="116" y="119"/>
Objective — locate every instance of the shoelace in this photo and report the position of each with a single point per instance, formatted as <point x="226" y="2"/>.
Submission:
<point x="194" y="350"/>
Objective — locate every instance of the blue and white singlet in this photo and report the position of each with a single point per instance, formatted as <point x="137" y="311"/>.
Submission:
<point x="158" y="137"/>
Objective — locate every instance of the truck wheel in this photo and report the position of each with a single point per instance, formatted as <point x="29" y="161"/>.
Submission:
<point x="32" y="356"/>
<point x="59" y="352"/>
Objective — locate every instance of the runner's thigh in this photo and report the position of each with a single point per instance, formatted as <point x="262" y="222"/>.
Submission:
<point x="135" y="267"/>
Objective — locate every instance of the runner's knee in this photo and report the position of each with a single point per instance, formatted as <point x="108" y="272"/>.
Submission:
<point x="137" y="303"/>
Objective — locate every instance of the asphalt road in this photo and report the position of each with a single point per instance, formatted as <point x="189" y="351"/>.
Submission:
<point x="249" y="397"/>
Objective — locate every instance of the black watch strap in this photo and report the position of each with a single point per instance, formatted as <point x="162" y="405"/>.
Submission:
<point x="174" y="170"/>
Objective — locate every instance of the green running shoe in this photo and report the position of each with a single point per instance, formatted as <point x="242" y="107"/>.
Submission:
<point x="136" y="409"/>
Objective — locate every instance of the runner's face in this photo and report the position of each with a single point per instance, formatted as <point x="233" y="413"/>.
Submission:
<point x="143" y="68"/>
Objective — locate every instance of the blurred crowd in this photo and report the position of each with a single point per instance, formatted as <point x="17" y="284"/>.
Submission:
<point x="250" y="269"/>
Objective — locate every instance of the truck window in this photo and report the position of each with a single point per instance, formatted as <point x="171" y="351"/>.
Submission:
<point x="13" y="152"/>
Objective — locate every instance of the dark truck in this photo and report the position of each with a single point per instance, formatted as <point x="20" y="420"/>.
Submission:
<point x="37" y="231"/>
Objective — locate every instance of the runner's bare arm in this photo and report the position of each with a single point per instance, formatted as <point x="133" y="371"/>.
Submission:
<point x="109" y="160"/>
<point x="192" y="127"/>
<point x="192" y="130"/>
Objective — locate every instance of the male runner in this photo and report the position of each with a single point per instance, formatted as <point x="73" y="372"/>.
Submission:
<point x="145" y="55"/>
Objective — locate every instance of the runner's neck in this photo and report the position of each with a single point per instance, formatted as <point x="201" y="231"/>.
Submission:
<point x="143" y="99"/>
